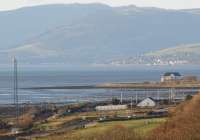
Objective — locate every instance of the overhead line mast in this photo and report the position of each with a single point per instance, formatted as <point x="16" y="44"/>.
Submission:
<point x="16" y="98"/>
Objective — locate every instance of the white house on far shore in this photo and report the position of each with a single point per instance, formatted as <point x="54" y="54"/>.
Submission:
<point x="170" y="76"/>
<point x="148" y="102"/>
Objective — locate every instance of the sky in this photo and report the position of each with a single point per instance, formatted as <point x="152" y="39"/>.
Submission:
<point x="168" y="4"/>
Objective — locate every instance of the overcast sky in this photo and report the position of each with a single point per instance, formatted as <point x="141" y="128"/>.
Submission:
<point x="169" y="4"/>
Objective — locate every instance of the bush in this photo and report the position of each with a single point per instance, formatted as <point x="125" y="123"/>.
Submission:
<point x="25" y="121"/>
<point x="115" y="101"/>
<point x="188" y="97"/>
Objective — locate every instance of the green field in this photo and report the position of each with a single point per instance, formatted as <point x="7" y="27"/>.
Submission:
<point x="139" y="126"/>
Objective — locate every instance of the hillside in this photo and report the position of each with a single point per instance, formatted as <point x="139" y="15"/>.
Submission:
<point x="52" y="34"/>
<point x="180" y="55"/>
<point x="176" y="51"/>
<point x="187" y="54"/>
<point x="183" y="125"/>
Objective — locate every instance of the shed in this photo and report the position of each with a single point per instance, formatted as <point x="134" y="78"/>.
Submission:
<point x="148" y="102"/>
<point x="111" y="107"/>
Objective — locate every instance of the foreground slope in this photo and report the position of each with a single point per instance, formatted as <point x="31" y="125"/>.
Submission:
<point x="183" y="125"/>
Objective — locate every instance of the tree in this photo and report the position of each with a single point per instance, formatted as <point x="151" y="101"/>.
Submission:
<point x="188" y="97"/>
<point x="115" y="101"/>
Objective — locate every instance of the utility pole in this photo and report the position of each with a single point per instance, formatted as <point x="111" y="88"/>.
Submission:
<point x="131" y="103"/>
<point x="169" y="95"/>
<point x="16" y="99"/>
<point x="158" y="96"/>
<point x="121" y="98"/>
<point x="136" y="98"/>
<point x="174" y="95"/>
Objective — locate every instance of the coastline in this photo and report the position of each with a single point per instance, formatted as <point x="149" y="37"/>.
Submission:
<point x="145" y="85"/>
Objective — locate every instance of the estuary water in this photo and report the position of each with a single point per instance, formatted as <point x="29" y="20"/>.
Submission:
<point x="67" y="78"/>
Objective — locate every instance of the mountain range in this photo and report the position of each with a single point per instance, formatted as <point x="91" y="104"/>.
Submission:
<point x="89" y="34"/>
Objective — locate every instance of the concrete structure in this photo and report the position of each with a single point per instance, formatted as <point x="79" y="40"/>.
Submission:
<point x="189" y="79"/>
<point x="111" y="107"/>
<point x="92" y="124"/>
<point x="148" y="102"/>
<point x="170" y="76"/>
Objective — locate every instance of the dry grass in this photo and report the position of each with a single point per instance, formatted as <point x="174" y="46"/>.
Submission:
<point x="141" y="127"/>
<point x="26" y="121"/>
<point x="183" y="125"/>
<point x="118" y="132"/>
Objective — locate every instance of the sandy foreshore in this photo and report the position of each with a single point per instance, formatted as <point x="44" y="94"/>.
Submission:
<point x="145" y="85"/>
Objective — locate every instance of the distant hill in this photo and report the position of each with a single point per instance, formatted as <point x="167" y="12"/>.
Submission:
<point x="183" y="54"/>
<point x="186" y="54"/>
<point x="78" y="34"/>
<point x="187" y="50"/>
<point x="193" y="11"/>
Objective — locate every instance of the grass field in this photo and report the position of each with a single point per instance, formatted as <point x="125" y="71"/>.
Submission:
<point x="139" y="126"/>
<point x="54" y="123"/>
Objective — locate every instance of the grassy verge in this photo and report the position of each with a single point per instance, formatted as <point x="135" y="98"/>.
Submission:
<point x="139" y="126"/>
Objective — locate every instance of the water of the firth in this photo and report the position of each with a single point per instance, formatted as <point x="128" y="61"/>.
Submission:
<point x="63" y="78"/>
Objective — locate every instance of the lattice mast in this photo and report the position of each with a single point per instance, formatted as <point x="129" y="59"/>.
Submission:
<point x="16" y="99"/>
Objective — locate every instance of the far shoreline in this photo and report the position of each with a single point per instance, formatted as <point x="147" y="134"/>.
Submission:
<point x="144" y="85"/>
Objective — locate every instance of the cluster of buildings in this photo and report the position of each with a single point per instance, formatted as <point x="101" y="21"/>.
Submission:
<point x="176" y="76"/>
<point x="147" y="102"/>
<point x="171" y="76"/>
<point x="150" y="102"/>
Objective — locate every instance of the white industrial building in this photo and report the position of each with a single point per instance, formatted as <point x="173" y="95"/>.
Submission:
<point x="111" y="107"/>
<point x="148" y="102"/>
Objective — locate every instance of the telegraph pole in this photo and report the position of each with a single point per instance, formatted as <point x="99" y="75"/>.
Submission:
<point x="121" y="98"/>
<point x="131" y="105"/>
<point x="136" y="98"/>
<point x="158" y="97"/>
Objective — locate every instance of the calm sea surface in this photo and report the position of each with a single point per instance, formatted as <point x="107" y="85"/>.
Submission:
<point x="61" y="78"/>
